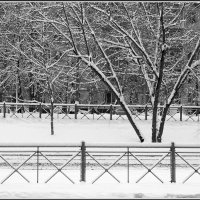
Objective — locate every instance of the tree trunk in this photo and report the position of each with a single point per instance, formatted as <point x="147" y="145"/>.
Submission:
<point x="129" y="115"/>
<point x="154" y="122"/>
<point x="159" y="80"/>
<point x="162" y="122"/>
<point x="52" y="122"/>
<point x="20" y="96"/>
<point x="51" y="94"/>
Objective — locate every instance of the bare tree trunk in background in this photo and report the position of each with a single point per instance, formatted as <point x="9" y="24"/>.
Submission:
<point x="51" y="95"/>
<point x="52" y="122"/>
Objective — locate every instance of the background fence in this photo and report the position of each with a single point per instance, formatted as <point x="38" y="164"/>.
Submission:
<point x="84" y="111"/>
<point x="95" y="163"/>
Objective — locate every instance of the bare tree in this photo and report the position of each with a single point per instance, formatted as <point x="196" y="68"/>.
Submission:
<point x="72" y="23"/>
<point x="43" y="52"/>
<point x="144" y="28"/>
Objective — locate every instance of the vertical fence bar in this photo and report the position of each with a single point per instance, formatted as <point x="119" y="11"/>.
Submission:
<point x="172" y="163"/>
<point x="37" y="164"/>
<point x="83" y="162"/>
<point x="4" y="109"/>
<point x="128" y="170"/>
<point x="76" y="111"/>
<point x="40" y="110"/>
<point x="181" y="113"/>
<point x="146" y="112"/>
<point x="111" y="111"/>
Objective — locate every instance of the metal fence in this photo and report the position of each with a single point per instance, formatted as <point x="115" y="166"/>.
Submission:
<point x="92" y="111"/>
<point x="92" y="163"/>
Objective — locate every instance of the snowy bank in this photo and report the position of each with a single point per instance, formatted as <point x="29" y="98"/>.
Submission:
<point x="81" y="191"/>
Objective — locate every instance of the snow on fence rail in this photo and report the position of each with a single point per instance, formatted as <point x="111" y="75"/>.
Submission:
<point x="93" y="111"/>
<point x="92" y="162"/>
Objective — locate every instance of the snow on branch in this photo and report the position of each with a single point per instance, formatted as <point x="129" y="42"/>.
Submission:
<point x="141" y="48"/>
<point x="147" y="16"/>
<point x="185" y="72"/>
<point x="114" y="43"/>
<point x="30" y="59"/>
<point x="171" y="23"/>
<point x="57" y="76"/>
<point x="68" y="50"/>
<point x="100" y="74"/>
<point x="105" y="56"/>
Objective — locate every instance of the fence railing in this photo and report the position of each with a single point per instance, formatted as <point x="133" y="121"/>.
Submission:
<point x="93" y="111"/>
<point x="96" y="163"/>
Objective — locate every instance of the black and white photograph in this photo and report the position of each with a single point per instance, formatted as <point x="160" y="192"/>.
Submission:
<point x="99" y="99"/>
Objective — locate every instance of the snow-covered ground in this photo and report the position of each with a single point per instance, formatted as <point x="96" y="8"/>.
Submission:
<point x="34" y="130"/>
<point x="102" y="131"/>
<point x="99" y="191"/>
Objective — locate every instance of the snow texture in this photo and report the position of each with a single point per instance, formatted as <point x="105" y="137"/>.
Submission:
<point x="32" y="130"/>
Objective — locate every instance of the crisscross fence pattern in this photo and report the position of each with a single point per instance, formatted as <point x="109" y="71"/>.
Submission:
<point x="95" y="112"/>
<point x="93" y="163"/>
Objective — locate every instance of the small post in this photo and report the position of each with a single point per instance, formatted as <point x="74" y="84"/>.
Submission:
<point x="37" y="164"/>
<point x="76" y="110"/>
<point x="83" y="162"/>
<point x="173" y="163"/>
<point x="4" y="109"/>
<point x="128" y="171"/>
<point x="146" y="112"/>
<point x="111" y="111"/>
<point x="40" y="110"/>
<point x="181" y="113"/>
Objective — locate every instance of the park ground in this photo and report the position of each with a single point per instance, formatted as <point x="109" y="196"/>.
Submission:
<point x="34" y="130"/>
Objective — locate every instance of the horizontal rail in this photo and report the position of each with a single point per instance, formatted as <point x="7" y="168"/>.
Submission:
<point x="95" y="105"/>
<point x="39" y="145"/>
<point x="101" y="145"/>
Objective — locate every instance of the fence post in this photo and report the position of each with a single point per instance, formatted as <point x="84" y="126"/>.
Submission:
<point x="111" y="111"/>
<point x="181" y="113"/>
<point x="40" y="110"/>
<point x="146" y="112"/>
<point x="128" y="168"/>
<point x="173" y="163"/>
<point x="38" y="164"/>
<point x="4" y="109"/>
<point x="83" y="162"/>
<point x="76" y="111"/>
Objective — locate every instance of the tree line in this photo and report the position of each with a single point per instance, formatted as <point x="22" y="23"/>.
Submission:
<point x="56" y="45"/>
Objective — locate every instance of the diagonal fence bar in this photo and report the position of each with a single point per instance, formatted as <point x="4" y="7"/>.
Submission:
<point x="149" y="170"/>
<point x="194" y="169"/>
<point x="60" y="169"/>
<point x="106" y="170"/>
<point x="16" y="169"/>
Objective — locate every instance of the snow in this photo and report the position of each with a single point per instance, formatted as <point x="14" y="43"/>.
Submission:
<point x="19" y="130"/>
<point x="82" y="191"/>
<point x="104" y="189"/>
<point x="34" y="130"/>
